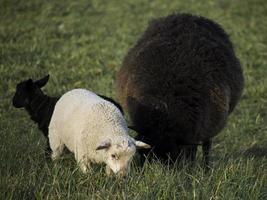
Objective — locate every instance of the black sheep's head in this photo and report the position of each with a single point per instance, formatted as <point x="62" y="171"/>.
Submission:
<point x="27" y="90"/>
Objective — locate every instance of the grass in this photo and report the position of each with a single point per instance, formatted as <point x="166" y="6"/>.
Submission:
<point x="82" y="44"/>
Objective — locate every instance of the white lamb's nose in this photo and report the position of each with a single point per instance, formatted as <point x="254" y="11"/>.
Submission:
<point x="123" y="172"/>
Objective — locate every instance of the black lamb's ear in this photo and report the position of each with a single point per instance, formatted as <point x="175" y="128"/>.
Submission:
<point x="42" y="82"/>
<point x="112" y="101"/>
<point x="29" y="82"/>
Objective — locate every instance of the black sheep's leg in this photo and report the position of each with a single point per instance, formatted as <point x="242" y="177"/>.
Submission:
<point x="186" y="153"/>
<point x="192" y="151"/>
<point x="206" y="146"/>
<point x="189" y="153"/>
<point x="144" y="155"/>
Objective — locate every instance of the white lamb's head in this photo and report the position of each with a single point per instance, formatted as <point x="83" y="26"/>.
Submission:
<point x="119" y="153"/>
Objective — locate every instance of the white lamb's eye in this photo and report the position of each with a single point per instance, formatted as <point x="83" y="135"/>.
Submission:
<point x="114" y="157"/>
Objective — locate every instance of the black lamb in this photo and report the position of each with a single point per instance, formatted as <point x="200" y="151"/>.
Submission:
<point x="179" y="83"/>
<point x="39" y="106"/>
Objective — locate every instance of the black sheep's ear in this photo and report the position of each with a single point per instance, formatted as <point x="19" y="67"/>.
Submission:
<point x="42" y="82"/>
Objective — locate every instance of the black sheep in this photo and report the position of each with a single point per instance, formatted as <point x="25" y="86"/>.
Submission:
<point x="39" y="106"/>
<point x="179" y="84"/>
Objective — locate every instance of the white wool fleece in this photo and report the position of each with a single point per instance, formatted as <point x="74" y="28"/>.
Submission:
<point x="81" y="121"/>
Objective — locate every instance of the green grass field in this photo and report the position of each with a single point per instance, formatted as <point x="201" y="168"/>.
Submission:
<point x="82" y="44"/>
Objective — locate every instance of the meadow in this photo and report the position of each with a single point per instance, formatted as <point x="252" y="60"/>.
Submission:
<point x="81" y="44"/>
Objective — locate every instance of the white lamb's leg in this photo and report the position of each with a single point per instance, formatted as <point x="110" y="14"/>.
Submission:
<point x="82" y="161"/>
<point x="56" y="144"/>
<point x="84" y="166"/>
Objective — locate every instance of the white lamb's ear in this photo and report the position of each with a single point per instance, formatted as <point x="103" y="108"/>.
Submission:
<point x="142" y="145"/>
<point x="104" y="145"/>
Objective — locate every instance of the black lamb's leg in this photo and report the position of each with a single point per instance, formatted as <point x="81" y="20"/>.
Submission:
<point x="48" y="150"/>
<point x="206" y="147"/>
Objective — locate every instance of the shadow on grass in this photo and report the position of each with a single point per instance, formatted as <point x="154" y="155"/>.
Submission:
<point x="256" y="151"/>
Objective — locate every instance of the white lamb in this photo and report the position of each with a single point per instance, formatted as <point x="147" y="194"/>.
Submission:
<point x="94" y="130"/>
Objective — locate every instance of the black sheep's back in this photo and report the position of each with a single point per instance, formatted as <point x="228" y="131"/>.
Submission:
<point x="180" y="81"/>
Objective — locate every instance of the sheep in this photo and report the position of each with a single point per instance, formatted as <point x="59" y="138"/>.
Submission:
<point x="39" y="106"/>
<point x="93" y="129"/>
<point x="179" y="83"/>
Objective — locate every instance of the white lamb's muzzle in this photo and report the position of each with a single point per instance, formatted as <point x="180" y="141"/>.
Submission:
<point x="115" y="168"/>
<point x="120" y="169"/>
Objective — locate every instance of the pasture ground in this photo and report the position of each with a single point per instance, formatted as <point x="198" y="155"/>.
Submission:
<point x="82" y="44"/>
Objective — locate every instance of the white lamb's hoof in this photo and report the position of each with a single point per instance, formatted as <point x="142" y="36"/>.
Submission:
<point x="84" y="168"/>
<point x="54" y="156"/>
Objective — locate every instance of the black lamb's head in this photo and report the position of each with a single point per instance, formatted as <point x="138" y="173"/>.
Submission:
<point x="27" y="90"/>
